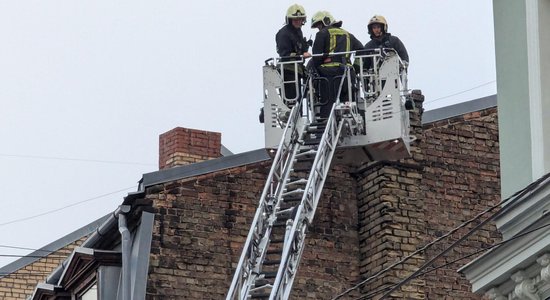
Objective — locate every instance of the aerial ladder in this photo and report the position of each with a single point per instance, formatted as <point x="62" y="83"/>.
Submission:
<point x="306" y="146"/>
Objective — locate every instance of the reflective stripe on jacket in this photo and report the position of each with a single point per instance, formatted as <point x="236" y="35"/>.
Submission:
<point x="334" y="39"/>
<point x="339" y="42"/>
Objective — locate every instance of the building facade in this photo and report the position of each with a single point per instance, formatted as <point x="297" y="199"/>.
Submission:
<point x="181" y="234"/>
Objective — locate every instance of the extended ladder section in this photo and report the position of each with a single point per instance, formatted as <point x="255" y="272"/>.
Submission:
<point x="272" y="251"/>
<point x="306" y="147"/>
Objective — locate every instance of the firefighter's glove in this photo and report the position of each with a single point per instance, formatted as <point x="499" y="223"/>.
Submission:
<point x="306" y="44"/>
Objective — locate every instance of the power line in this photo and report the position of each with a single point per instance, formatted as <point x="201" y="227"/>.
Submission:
<point x="64" y="207"/>
<point x="514" y="196"/>
<point x="75" y="159"/>
<point x="46" y="252"/>
<point x="24" y="275"/>
<point x="461" y="92"/>
<point x="376" y="292"/>
<point x="422" y="249"/>
<point x="25" y="248"/>
<point x="472" y="231"/>
<point x="33" y="256"/>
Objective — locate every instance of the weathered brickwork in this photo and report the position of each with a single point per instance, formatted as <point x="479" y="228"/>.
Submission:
<point x="391" y="219"/>
<point x="391" y="225"/>
<point x="203" y="222"/>
<point x="182" y="146"/>
<point x="21" y="284"/>
<point x="461" y="179"/>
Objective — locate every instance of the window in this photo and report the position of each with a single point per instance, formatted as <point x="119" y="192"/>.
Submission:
<point x="90" y="294"/>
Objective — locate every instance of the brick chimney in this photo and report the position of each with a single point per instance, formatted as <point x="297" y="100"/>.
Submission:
<point x="183" y="146"/>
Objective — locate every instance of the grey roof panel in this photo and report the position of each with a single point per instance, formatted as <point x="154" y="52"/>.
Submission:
<point x="205" y="167"/>
<point x="225" y="152"/>
<point x="459" y="109"/>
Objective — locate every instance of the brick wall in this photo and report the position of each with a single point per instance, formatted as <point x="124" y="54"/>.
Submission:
<point x="367" y="219"/>
<point x="20" y="285"/>
<point x="391" y="219"/>
<point x="461" y="179"/>
<point x="182" y="146"/>
<point x="203" y="222"/>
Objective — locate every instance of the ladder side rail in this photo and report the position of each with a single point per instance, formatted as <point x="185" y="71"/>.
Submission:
<point x="295" y="60"/>
<point x="293" y="245"/>
<point x="345" y="76"/>
<point x="238" y="283"/>
<point x="310" y="98"/>
<point x="374" y="85"/>
<point x="276" y="195"/>
<point x="404" y="94"/>
<point x="402" y="69"/>
<point x="257" y="227"/>
<point x="309" y="206"/>
<point x="326" y="155"/>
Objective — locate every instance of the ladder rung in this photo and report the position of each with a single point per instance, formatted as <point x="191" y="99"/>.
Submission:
<point x="315" y="129"/>
<point x="308" y="152"/>
<point x="272" y="252"/>
<point x="299" y="181"/>
<point x="319" y="122"/>
<point x="293" y="192"/>
<point x="301" y="169"/>
<point x="260" y="296"/>
<point x="262" y="283"/>
<point x="271" y="262"/>
<point x="270" y="274"/>
<point x="279" y="224"/>
<point x="312" y="142"/>
<point x="293" y="198"/>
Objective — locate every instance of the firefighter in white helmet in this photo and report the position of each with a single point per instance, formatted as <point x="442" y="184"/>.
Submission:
<point x="291" y="44"/>
<point x="381" y="38"/>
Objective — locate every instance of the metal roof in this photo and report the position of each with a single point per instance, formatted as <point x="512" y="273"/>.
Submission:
<point x="205" y="167"/>
<point x="459" y="109"/>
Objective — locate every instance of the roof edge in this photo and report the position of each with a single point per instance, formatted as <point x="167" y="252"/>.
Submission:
<point x="204" y="167"/>
<point x="51" y="247"/>
<point x="450" y="111"/>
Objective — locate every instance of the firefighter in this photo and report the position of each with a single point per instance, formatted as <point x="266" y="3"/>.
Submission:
<point x="381" y="38"/>
<point x="331" y="38"/>
<point x="291" y="45"/>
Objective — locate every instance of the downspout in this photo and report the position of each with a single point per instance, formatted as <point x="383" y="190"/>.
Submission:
<point x="125" y="238"/>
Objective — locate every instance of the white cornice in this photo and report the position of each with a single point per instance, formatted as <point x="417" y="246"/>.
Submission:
<point x="525" y="210"/>
<point x="494" y="269"/>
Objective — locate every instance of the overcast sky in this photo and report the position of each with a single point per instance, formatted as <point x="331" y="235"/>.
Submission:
<point x="86" y="87"/>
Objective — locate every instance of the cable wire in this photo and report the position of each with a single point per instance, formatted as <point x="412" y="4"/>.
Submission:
<point x="403" y="260"/>
<point x="464" y="237"/>
<point x="514" y="196"/>
<point x="25" y="248"/>
<point x="64" y="207"/>
<point x="376" y="292"/>
<point x="75" y="159"/>
<point x="461" y="92"/>
<point x="33" y="256"/>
